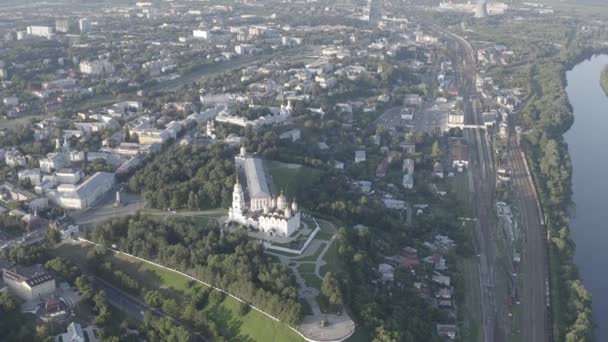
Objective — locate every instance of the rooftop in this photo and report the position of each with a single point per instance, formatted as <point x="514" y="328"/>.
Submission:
<point x="257" y="184"/>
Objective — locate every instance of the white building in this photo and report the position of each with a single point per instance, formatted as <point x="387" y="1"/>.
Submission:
<point x="84" y="195"/>
<point x="11" y="101"/>
<point x="455" y="118"/>
<point x="74" y="334"/>
<point x="14" y="158"/>
<point x="256" y="207"/>
<point x="326" y="82"/>
<point x="244" y="49"/>
<point x="202" y="34"/>
<point x="40" y="31"/>
<point x="217" y="99"/>
<point x="84" y="25"/>
<point x="33" y="175"/>
<point x="28" y="285"/>
<point x="56" y="161"/>
<point x="408" y="177"/>
<point x="67" y="176"/>
<point x="96" y="67"/>
<point x="392" y="203"/>
<point x="360" y="156"/>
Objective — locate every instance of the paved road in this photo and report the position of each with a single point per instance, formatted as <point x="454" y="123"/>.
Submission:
<point x="534" y="266"/>
<point x="133" y="307"/>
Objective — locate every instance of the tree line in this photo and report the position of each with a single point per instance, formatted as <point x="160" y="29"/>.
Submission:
<point x="228" y="260"/>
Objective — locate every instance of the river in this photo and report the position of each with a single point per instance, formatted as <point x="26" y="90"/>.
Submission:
<point x="587" y="140"/>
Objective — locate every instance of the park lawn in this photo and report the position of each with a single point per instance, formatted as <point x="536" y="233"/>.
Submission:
<point x="254" y="324"/>
<point x="292" y="178"/>
<point x="308" y="267"/>
<point x="361" y="335"/>
<point x="314" y="256"/>
<point x="324" y="235"/>
<point x="331" y="257"/>
<point x="312" y="280"/>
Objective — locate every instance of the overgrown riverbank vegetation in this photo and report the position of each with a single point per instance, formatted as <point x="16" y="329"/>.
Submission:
<point x="604" y="80"/>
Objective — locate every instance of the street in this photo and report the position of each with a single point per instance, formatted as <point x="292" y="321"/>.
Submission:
<point x="133" y="307"/>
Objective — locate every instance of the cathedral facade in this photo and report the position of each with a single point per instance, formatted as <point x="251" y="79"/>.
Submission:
<point x="255" y="207"/>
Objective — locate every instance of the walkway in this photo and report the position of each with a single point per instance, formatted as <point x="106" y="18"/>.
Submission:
<point x="336" y="327"/>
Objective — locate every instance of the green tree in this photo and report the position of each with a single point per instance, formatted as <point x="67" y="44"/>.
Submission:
<point x="436" y="151"/>
<point x="384" y="335"/>
<point x="63" y="268"/>
<point x="53" y="236"/>
<point x="330" y="288"/>
<point x="153" y="298"/>
<point x="171" y="308"/>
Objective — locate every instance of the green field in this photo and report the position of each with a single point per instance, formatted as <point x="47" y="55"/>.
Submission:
<point x="312" y="280"/>
<point x="291" y="178"/>
<point x="331" y="257"/>
<point x="311" y="257"/>
<point x="307" y="267"/>
<point x="254" y="326"/>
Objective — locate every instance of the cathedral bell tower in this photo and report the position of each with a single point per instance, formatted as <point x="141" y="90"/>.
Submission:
<point x="238" y="198"/>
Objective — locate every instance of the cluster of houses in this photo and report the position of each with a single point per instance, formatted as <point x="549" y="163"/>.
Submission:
<point x="59" y="178"/>
<point x="429" y="268"/>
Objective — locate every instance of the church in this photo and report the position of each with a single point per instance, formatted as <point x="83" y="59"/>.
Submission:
<point x="254" y="206"/>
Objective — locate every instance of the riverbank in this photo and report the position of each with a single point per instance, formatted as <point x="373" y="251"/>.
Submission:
<point x="604" y="80"/>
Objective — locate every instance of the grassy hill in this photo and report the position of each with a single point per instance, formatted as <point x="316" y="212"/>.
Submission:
<point x="253" y="326"/>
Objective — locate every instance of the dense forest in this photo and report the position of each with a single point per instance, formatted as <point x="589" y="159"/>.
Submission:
<point x="227" y="260"/>
<point x="547" y="117"/>
<point x="192" y="177"/>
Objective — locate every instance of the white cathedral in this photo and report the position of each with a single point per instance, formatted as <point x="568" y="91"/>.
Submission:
<point x="255" y="206"/>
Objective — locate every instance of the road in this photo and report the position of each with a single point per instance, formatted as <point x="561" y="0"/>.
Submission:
<point x="536" y="325"/>
<point x="133" y="307"/>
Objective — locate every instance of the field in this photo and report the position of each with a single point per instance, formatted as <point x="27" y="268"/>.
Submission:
<point x="254" y="326"/>
<point x="291" y="178"/>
